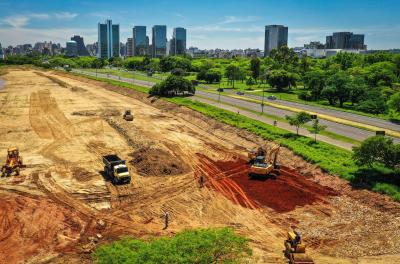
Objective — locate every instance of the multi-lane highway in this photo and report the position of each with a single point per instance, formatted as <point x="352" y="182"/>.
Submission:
<point x="337" y="128"/>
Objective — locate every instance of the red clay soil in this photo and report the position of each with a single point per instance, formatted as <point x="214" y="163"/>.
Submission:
<point x="283" y="194"/>
<point x="31" y="225"/>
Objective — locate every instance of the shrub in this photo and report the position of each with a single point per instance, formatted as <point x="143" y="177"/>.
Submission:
<point x="173" y="85"/>
<point x="193" y="246"/>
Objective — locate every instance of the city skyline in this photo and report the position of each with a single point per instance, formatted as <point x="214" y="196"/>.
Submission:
<point x="229" y="26"/>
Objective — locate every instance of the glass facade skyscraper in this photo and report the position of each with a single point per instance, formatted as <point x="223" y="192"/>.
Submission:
<point x="82" y="51"/>
<point x="276" y="36"/>
<point x="345" y="40"/>
<point x="178" y="42"/>
<point x="159" y="41"/>
<point x="108" y="39"/>
<point x="140" y="46"/>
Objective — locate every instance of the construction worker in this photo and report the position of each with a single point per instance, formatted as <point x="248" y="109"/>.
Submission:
<point x="166" y="219"/>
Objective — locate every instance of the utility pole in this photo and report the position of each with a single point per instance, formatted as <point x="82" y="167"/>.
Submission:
<point x="262" y="102"/>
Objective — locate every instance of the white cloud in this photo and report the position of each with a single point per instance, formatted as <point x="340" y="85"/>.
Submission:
<point x="16" y="21"/>
<point x="65" y="15"/>
<point x="235" y="19"/>
<point x="14" y="36"/>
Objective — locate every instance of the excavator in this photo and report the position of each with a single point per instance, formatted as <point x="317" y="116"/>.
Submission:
<point x="13" y="163"/>
<point x="295" y="249"/>
<point x="264" y="168"/>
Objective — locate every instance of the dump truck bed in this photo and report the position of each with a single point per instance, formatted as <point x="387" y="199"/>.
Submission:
<point x="112" y="160"/>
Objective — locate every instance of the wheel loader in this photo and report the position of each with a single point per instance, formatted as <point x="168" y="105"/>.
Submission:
<point x="13" y="163"/>
<point x="128" y="115"/>
<point x="262" y="167"/>
<point x="295" y="249"/>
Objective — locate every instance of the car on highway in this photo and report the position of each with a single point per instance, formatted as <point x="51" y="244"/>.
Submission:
<point x="240" y="93"/>
<point x="220" y="89"/>
<point x="271" y="97"/>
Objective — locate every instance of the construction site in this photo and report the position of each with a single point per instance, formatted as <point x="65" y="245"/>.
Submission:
<point x="62" y="204"/>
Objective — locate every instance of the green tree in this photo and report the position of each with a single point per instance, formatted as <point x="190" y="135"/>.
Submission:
<point x="232" y="72"/>
<point x="281" y="79"/>
<point x="394" y="105"/>
<point x="255" y="64"/>
<point x="202" y="246"/>
<point x="377" y="149"/>
<point x="338" y="87"/>
<point x="316" y="128"/>
<point x="315" y="82"/>
<point x="298" y="120"/>
<point x="250" y="82"/>
<point x="173" y="85"/>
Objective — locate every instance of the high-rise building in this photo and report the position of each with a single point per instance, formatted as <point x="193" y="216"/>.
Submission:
<point x="140" y="43"/>
<point x="1" y="53"/>
<point x="82" y="51"/>
<point x="159" y="41"/>
<point x="276" y="36"/>
<point x="177" y="45"/>
<point x="72" y="49"/>
<point x="345" y="40"/>
<point x="129" y="47"/>
<point x="108" y="39"/>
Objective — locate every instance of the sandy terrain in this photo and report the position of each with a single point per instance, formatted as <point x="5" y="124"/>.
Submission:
<point x="61" y="206"/>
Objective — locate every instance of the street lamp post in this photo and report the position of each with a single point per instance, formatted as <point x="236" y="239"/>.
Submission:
<point x="262" y="102"/>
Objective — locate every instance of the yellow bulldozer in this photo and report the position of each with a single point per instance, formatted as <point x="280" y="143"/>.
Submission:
<point x="254" y="153"/>
<point x="262" y="167"/>
<point x="295" y="249"/>
<point x="13" y="163"/>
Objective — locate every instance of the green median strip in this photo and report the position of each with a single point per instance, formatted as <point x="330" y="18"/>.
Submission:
<point x="281" y="119"/>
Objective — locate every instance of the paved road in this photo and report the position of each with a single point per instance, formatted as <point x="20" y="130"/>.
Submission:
<point x="336" y="113"/>
<point x="340" y="129"/>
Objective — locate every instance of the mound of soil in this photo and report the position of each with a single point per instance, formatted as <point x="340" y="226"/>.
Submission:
<point x="85" y="113"/>
<point x="283" y="193"/>
<point x="157" y="162"/>
<point x="31" y="226"/>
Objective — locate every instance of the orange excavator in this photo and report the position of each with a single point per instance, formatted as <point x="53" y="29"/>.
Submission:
<point x="261" y="167"/>
<point x="13" y="163"/>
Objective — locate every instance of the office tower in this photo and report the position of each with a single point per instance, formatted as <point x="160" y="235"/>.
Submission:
<point x="276" y="36"/>
<point x="177" y="45"/>
<point x="108" y="39"/>
<point x="72" y="49"/>
<point x="129" y="47"/>
<point x="122" y="49"/>
<point x="82" y="51"/>
<point x="345" y="40"/>
<point x="159" y="41"/>
<point x="140" y="42"/>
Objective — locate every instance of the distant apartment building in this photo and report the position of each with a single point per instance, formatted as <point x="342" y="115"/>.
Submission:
<point x="129" y="47"/>
<point x="140" y="41"/>
<point x="345" y="40"/>
<point x="276" y="36"/>
<point x="159" y="41"/>
<point x="71" y="49"/>
<point x="92" y="49"/>
<point x="82" y="51"/>
<point x="177" y="45"/>
<point x="108" y="40"/>
<point x="122" y="49"/>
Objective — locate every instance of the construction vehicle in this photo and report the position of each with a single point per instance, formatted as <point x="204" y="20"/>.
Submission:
<point x="295" y="249"/>
<point x="253" y="154"/>
<point x="13" y="162"/>
<point x="264" y="168"/>
<point x="116" y="169"/>
<point x="128" y="115"/>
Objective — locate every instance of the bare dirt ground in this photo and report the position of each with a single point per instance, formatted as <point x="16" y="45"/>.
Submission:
<point x="61" y="206"/>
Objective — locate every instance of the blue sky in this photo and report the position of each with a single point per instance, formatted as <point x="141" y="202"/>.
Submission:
<point x="210" y="24"/>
